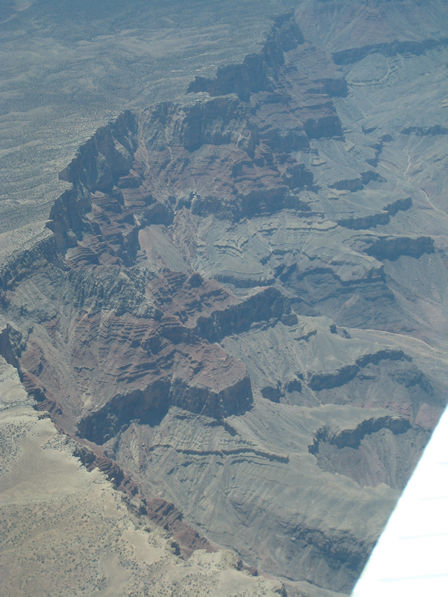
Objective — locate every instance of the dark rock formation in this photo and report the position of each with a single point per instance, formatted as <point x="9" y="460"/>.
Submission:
<point x="211" y="326"/>
<point x="388" y="49"/>
<point x="267" y="306"/>
<point x="393" y="248"/>
<point x="357" y="184"/>
<point x="352" y="437"/>
<point x="11" y="345"/>
<point x="258" y="72"/>
<point x="378" y="219"/>
<point x="419" y="131"/>
<point x="365" y="222"/>
<point x="333" y="380"/>
<point x="398" y="205"/>
<point x="383" y="450"/>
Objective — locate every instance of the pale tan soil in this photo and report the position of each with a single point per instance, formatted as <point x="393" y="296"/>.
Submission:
<point x="65" y="531"/>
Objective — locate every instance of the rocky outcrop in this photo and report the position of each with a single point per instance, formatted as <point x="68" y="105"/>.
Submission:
<point x="388" y="49"/>
<point x="356" y="184"/>
<point x="96" y="168"/>
<point x="326" y="381"/>
<point x="379" y="219"/>
<point x="24" y="262"/>
<point x="150" y="366"/>
<point x="320" y="290"/>
<point x="209" y="123"/>
<point x="342" y="552"/>
<point x="378" y="147"/>
<point x="199" y="255"/>
<point x="394" y="248"/>
<point x="399" y="205"/>
<point x="366" y="222"/>
<point x="185" y="538"/>
<point x="271" y="393"/>
<point x="258" y="71"/>
<point x="334" y="87"/>
<point x="105" y="157"/>
<point x="382" y="355"/>
<point x="325" y="127"/>
<point x="382" y="450"/>
<point x="352" y="437"/>
<point x="267" y="306"/>
<point x="420" y="131"/>
<point x="11" y="345"/>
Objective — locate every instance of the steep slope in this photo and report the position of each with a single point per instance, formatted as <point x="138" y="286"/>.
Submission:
<point x="241" y="307"/>
<point x="66" y="531"/>
<point x="69" y="67"/>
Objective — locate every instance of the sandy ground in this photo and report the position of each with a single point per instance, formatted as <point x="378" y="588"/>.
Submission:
<point x="66" y="531"/>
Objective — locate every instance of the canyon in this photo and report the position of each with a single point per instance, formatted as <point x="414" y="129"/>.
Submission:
<point x="235" y="316"/>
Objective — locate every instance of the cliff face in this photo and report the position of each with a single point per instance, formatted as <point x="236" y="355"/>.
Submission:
<point x="258" y="72"/>
<point x="227" y="309"/>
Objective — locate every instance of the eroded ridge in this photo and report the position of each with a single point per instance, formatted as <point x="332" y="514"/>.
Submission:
<point x="224" y="316"/>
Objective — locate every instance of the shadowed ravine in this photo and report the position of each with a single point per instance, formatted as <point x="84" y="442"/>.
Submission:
<point x="237" y="313"/>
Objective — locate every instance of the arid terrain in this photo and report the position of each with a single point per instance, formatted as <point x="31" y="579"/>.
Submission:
<point x="223" y="332"/>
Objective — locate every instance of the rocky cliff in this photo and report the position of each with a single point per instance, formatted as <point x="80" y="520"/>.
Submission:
<point x="236" y="306"/>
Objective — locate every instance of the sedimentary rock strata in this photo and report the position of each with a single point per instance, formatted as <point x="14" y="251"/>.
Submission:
<point x="235" y="310"/>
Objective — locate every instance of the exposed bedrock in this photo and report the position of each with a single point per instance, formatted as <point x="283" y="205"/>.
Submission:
<point x="132" y="172"/>
<point x="97" y="167"/>
<point x="388" y="49"/>
<point x="149" y="406"/>
<point x="393" y="248"/>
<point x="378" y="147"/>
<point x="377" y="219"/>
<point x="268" y="305"/>
<point x="131" y="368"/>
<point x="340" y="554"/>
<point x="109" y="238"/>
<point x="351" y="438"/>
<point x="365" y="222"/>
<point x="257" y="70"/>
<point x="383" y="450"/>
<point x="387" y="378"/>
<point x="332" y="380"/>
<point x="324" y="127"/>
<point x="210" y="123"/>
<point x="345" y="374"/>
<point x="280" y="140"/>
<point x="166" y="515"/>
<point x="105" y="157"/>
<point x="19" y="266"/>
<point x="399" y="205"/>
<point x="356" y="184"/>
<point x="199" y="256"/>
<point x="112" y="288"/>
<point x="242" y="152"/>
<point x="163" y="513"/>
<point x="321" y="291"/>
<point x="11" y="345"/>
<point x="420" y="131"/>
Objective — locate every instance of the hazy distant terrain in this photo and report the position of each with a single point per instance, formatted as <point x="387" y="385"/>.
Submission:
<point x="237" y="310"/>
<point x="68" y="67"/>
